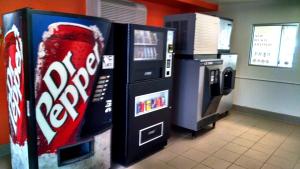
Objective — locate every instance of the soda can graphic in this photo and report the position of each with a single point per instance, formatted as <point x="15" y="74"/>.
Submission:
<point x="15" y="87"/>
<point x="13" y="50"/>
<point x="153" y="103"/>
<point x="148" y="105"/>
<point x="158" y="101"/>
<point x="163" y="101"/>
<point x="67" y="63"/>
<point x="138" y="107"/>
<point x="142" y="106"/>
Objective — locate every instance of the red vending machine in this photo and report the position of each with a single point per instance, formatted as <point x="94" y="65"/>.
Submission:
<point x="59" y="71"/>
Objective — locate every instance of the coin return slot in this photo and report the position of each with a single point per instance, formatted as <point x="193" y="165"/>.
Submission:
<point x="168" y="63"/>
<point x="74" y="153"/>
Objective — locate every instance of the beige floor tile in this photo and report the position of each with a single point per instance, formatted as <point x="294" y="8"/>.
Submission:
<point x="277" y="137"/>
<point x="216" y="163"/>
<point x="164" y="155"/>
<point x="270" y="166"/>
<point x="211" y="138"/>
<point x="178" y="147"/>
<point x="257" y="131"/>
<point x="272" y="139"/>
<point x="151" y="163"/>
<point x="293" y="141"/>
<point x="182" y="163"/>
<point x="290" y="148"/>
<point x="264" y="127"/>
<point x="244" y="142"/>
<point x="264" y="148"/>
<point x="201" y="166"/>
<point x="236" y="148"/>
<point x="227" y="155"/>
<point x="233" y="166"/>
<point x="175" y="137"/>
<point x="270" y="142"/>
<point x="287" y="155"/>
<point x="283" y="128"/>
<point x="208" y="148"/>
<point x="195" y="155"/>
<point x="249" y="163"/>
<point x="281" y="162"/>
<point x="235" y="132"/>
<point x="134" y="166"/>
<point x="250" y="136"/>
<point x="227" y="137"/>
<point x="257" y="155"/>
<point x="297" y="166"/>
<point x="291" y="144"/>
<point x="218" y="142"/>
<point x="192" y="141"/>
<point x="162" y="165"/>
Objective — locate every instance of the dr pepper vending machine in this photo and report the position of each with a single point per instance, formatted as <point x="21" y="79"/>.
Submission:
<point x="143" y="85"/>
<point x="59" y="88"/>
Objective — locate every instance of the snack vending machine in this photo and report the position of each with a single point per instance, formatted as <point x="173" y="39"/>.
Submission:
<point x="143" y="88"/>
<point x="59" y="71"/>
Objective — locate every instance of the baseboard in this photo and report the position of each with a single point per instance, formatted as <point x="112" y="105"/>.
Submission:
<point x="272" y="115"/>
<point x="4" y="149"/>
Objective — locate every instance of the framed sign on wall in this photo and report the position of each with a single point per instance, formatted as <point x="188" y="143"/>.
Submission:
<point x="273" y="44"/>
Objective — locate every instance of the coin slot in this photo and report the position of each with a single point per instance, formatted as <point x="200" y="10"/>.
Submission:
<point x="168" y="63"/>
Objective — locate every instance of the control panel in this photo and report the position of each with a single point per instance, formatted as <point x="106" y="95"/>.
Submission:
<point x="214" y="76"/>
<point x="169" y="53"/>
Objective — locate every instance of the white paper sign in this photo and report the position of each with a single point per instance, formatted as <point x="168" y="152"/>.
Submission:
<point x="266" y="45"/>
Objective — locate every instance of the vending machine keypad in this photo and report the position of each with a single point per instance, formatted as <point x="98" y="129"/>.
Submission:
<point x="169" y="53"/>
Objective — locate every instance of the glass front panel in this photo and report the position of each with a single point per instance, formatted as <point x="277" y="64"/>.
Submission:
<point x="287" y="45"/>
<point x="265" y="45"/>
<point x="274" y="45"/>
<point x="151" y="102"/>
<point x="225" y="34"/>
<point x="148" y="45"/>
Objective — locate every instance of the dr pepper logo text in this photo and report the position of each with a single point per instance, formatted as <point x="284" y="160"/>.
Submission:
<point x="68" y="60"/>
<point x="13" y="51"/>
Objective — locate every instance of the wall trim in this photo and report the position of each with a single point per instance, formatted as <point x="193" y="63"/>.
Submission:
<point x="267" y="80"/>
<point x="4" y="149"/>
<point x="272" y="115"/>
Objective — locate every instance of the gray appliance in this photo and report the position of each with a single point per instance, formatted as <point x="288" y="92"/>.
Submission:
<point x="224" y="40"/>
<point x="197" y="92"/>
<point x="228" y="71"/>
<point x="196" y="33"/>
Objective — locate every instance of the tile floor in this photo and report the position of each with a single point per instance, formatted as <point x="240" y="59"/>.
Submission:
<point x="239" y="141"/>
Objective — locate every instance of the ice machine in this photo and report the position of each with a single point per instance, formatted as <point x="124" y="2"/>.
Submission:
<point x="228" y="72"/>
<point x="197" y="92"/>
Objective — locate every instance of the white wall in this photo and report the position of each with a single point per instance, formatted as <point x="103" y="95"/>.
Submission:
<point x="265" y="95"/>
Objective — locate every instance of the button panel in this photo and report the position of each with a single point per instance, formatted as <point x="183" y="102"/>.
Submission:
<point x="101" y="88"/>
<point x="169" y="53"/>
